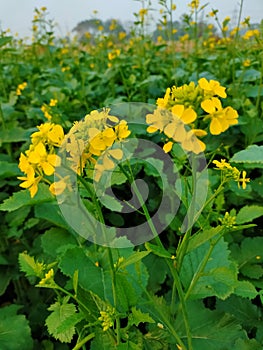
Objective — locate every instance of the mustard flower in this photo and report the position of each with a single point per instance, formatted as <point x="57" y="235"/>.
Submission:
<point x="222" y="118"/>
<point x="39" y="156"/>
<point x="212" y="88"/>
<point x="30" y="181"/>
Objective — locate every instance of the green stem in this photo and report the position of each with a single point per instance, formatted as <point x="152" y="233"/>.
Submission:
<point x="84" y="341"/>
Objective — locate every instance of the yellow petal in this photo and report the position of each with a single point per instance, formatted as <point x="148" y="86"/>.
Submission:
<point x="168" y="146"/>
<point x="208" y="106"/>
<point x="178" y="110"/>
<point x="116" y="153"/>
<point x="189" y="116"/>
<point x="151" y="129"/>
<point x="215" y="127"/>
<point x="47" y="168"/>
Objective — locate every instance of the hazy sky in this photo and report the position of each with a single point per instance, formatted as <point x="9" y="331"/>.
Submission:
<point x="17" y="14"/>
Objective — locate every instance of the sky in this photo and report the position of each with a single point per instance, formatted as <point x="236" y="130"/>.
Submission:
<point x="18" y="14"/>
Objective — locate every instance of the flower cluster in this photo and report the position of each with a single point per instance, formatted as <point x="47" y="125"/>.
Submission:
<point x="232" y="173"/>
<point x="20" y="88"/>
<point x="93" y="138"/>
<point x="188" y="104"/>
<point x="107" y="318"/>
<point x="40" y="159"/>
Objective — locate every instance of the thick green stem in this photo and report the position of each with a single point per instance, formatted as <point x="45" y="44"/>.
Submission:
<point x="84" y="341"/>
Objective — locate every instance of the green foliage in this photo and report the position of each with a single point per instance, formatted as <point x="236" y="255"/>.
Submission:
<point x="250" y="157"/>
<point x="194" y="290"/>
<point x="22" y="198"/>
<point x="62" y="320"/>
<point x="15" y="332"/>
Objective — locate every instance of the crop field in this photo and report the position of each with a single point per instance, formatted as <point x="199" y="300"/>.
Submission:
<point x="131" y="171"/>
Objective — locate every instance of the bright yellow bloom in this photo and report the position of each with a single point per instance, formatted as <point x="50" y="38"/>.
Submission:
<point x="53" y="102"/>
<point x="194" y="4"/>
<point x="142" y="13"/>
<point x="187" y="115"/>
<point x="58" y="187"/>
<point x="50" y="133"/>
<point x="162" y="102"/>
<point x="247" y="63"/>
<point x="212" y="88"/>
<point x="30" y="181"/>
<point x="222" y="119"/>
<point x="121" y="130"/>
<point x="48" y="279"/>
<point x="191" y="142"/>
<point x="39" y="156"/>
<point x="20" y="88"/>
<point x="243" y="180"/>
<point x="222" y="164"/>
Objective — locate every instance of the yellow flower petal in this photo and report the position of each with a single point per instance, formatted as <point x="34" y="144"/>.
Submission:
<point x="168" y="146"/>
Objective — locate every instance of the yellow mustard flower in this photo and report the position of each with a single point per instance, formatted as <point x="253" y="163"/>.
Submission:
<point x="222" y="119"/>
<point x="39" y="156"/>
<point x="53" y="102"/>
<point x="163" y="102"/>
<point x="212" y="88"/>
<point x="243" y="180"/>
<point x="30" y="181"/>
<point x="187" y="115"/>
<point x="121" y="130"/>
<point x="20" y="88"/>
<point x="192" y="143"/>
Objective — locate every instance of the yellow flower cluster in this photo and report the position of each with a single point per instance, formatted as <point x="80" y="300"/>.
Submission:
<point x="46" y="108"/>
<point x="188" y="103"/>
<point x="251" y="33"/>
<point x="107" y="318"/>
<point x="230" y="172"/>
<point x="92" y="138"/>
<point x="20" y="88"/>
<point x="40" y="159"/>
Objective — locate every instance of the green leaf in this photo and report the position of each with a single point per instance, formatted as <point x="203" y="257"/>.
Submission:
<point x="55" y="240"/>
<point x="137" y="316"/>
<point x="133" y="258"/>
<point x="252" y="155"/>
<point x="103" y="341"/>
<point x="111" y="203"/>
<point x="15" y="134"/>
<point x="15" y="332"/>
<point x="159" y="251"/>
<point x="243" y="310"/>
<point x="29" y="266"/>
<point x="22" y="198"/>
<point x="245" y="289"/>
<point x="51" y="213"/>
<point x="5" y="278"/>
<point x="249" y="213"/>
<point x="198" y="239"/>
<point x="218" y="277"/>
<point x="8" y="169"/>
<point x="61" y="312"/>
<point x="90" y="276"/>
<point x="247" y="344"/>
<point x="5" y="40"/>
<point x="249" y="257"/>
<point x="211" y="330"/>
<point x="157" y="268"/>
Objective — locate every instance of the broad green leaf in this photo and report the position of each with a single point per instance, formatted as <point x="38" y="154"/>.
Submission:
<point x="158" y="271"/>
<point x="249" y="213"/>
<point x="103" y="341"/>
<point x="90" y="276"/>
<point x="51" y="213"/>
<point x="15" y="332"/>
<point x="8" y="169"/>
<point x="245" y="289"/>
<point x="111" y="203"/>
<point x="211" y="330"/>
<point x="218" y="277"/>
<point x="22" y="198"/>
<point x="249" y="256"/>
<point x="70" y="322"/>
<point x="15" y="134"/>
<point x="126" y="293"/>
<point x="243" y="310"/>
<point x="29" y="266"/>
<point x="253" y="155"/>
<point x="247" y="344"/>
<point x="159" y="251"/>
<point x="137" y="316"/>
<point x="198" y="239"/>
<point x="61" y="312"/>
<point x="55" y="240"/>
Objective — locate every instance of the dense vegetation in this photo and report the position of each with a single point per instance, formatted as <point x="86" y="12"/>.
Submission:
<point x="91" y="256"/>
